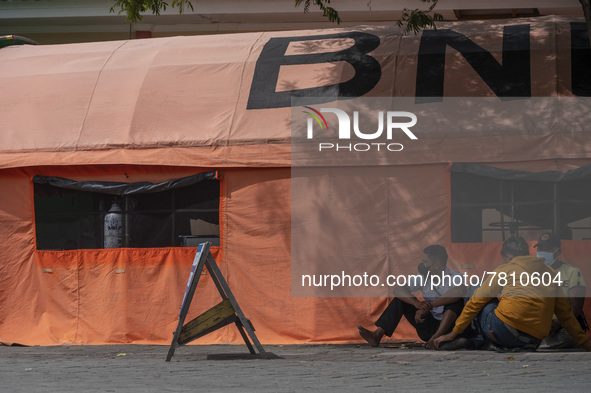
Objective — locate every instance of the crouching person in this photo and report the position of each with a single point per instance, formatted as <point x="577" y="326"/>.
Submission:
<point x="573" y="286"/>
<point x="511" y="315"/>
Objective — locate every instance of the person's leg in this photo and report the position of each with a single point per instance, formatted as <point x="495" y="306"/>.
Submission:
<point x="470" y="338"/>
<point x="374" y="337"/>
<point x="427" y="328"/>
<point x="444" y="327"/>
<point x="480" y="336"/>
<point x="498" y="332"/>
<point x="559" y="340"/>
<point x="387" y="322"/>
<point x="485" y="321"/>
<point x="432" y="328"/>
<point x="450" y="314"/>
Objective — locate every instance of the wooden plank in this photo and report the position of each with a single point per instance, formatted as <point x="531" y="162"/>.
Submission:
<point x="213" y="268"/>
<point x="214" y="318"/>
<point x="245" y="337"/>
<point x="227" y="321"/>
<point x="196" y="269"/>
<point x="213" y="276"/>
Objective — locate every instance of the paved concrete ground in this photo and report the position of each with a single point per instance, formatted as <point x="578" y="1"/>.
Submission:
<point x="327" y="368"/>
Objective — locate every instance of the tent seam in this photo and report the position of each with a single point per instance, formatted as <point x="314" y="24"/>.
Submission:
<point x="94" y="89"/>
<point x="226" y="333"/>
<point x="77" y="296"/>
<point x="131" y="119"/>
<point x="241" y="84"/>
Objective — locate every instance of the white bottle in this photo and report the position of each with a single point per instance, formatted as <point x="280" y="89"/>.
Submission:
<point x="114" y="227"/>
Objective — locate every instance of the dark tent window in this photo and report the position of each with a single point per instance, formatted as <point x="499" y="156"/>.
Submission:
<point x="90" y="215"/>
<point x="490" y="204"/>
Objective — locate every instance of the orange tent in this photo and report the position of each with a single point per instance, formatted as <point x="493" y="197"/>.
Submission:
<point x="161" y="109"/>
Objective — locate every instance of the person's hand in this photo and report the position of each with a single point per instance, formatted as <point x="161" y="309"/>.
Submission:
<point x="430" y="344"/>
<point x="425" y="306"/>
<point x="555" y="327"/>
<point x="446" y="337"/>
<point x="420" y="315"/>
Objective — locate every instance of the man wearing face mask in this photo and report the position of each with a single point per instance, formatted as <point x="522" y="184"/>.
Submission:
<point x="516" y="315"/>
<point x="573" y="285"/>
<point x="432" y="316"/>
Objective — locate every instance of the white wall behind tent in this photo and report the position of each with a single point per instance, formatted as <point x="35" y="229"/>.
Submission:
<point x="67" y="21"/>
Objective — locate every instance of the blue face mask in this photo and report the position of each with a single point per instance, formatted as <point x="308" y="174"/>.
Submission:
<point x="548" y="256"/>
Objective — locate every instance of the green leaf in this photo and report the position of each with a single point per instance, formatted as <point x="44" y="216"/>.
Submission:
<point x="133" y="9"/>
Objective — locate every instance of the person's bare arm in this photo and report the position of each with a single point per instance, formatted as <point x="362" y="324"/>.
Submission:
<point x="576" y="298"/>
<point x="449" y="297"/>
<point x="404" y="294"/>
<point x="423" y="307"/>
<point x="567" y="319"/>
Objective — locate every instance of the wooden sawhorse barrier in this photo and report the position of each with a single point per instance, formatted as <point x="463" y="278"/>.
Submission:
<point x="224" y="313"/>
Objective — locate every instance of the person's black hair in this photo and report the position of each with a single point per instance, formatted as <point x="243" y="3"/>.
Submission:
<point x="515" y="246"/>
<point x="438" y="252"/>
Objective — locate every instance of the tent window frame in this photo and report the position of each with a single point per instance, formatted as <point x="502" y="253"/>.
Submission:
<point x="510" y="204"/>
<point x="175" y="204"/>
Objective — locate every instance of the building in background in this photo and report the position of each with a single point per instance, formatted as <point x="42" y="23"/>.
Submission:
<point x="68" y="21"/>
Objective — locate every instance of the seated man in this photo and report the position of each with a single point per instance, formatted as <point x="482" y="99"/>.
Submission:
<point x="573" y="285"/>
<point x="431" y="317"/>
<point x="523" y="315"/>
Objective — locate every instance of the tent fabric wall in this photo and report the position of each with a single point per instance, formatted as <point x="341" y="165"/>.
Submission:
<point x="86" y="296"/>
<point x="83" y="300"/>
<point x="77" y="296"/>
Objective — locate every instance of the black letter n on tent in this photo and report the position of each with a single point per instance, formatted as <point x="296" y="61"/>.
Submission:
<point x="511" y="79"/>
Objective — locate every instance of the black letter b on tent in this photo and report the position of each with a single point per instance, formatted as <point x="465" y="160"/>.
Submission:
<point x="264" y="82"/>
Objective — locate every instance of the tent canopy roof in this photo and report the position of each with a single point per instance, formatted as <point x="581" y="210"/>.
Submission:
<point x="189" y="100"/>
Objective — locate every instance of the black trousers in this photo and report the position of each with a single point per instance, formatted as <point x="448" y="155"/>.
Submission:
<point x="397" y="308"/>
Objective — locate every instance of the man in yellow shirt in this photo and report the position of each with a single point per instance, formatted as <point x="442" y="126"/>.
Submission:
<point x="527" y="299"/>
